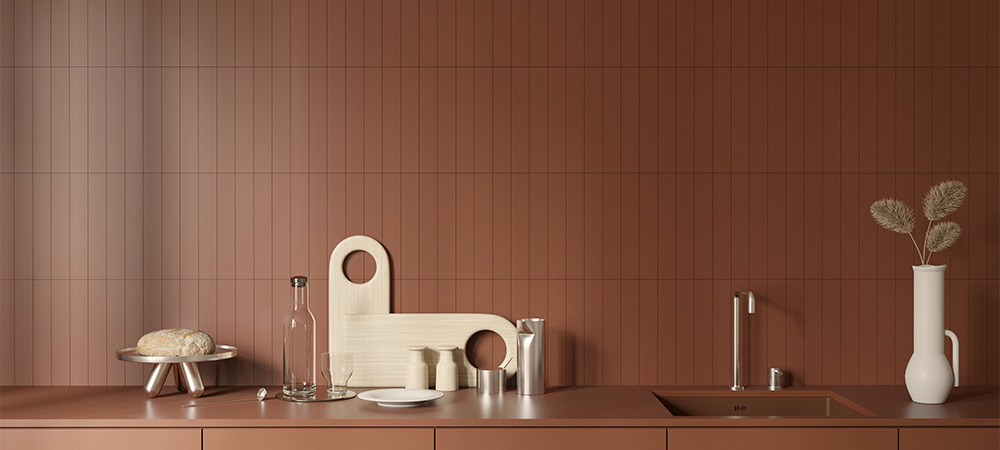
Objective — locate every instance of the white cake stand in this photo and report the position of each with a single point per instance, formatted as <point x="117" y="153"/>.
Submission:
<point x="186" y="374"/>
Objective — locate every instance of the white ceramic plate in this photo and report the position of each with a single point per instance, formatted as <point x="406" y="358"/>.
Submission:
<point x="400" y="398"/>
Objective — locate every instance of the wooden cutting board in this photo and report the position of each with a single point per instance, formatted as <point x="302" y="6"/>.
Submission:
<point x="360" y="323"/>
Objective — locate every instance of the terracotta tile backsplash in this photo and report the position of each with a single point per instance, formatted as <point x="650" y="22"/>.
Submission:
<point x="616" y="167"/>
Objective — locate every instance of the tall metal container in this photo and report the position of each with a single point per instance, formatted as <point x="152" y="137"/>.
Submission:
<point x="531" y="356"/>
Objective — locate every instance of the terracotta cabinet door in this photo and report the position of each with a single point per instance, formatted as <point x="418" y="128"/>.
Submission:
<point x="781" y="438"/>
<point x="551" y="438"/>
<point x="317" y="438"/>
<point x="935" y="438"/>
<point x="100" y="438"/>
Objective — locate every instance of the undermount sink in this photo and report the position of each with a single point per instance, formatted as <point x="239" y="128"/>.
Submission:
<point x="759" y="404"/>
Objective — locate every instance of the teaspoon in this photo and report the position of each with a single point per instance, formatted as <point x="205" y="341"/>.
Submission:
<point x="260" y="397"/>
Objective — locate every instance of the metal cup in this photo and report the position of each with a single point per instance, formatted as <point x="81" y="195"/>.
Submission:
<point x="492" y="381"/>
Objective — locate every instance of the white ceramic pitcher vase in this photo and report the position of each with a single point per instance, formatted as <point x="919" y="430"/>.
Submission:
<point x="929" y="378"/>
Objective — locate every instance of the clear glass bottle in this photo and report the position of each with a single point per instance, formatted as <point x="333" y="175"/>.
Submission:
<point x="300" y="344"/>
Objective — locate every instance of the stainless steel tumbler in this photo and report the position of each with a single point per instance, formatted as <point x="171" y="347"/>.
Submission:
<point x="492" y="381"/>
<point x="531" y="356"/>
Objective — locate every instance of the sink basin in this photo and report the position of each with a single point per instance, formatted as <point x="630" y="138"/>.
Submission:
<point x="759" y="404"/>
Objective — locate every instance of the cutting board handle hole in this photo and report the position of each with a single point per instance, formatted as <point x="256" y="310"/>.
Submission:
<point x="359" y="267"/>
<point x="485" y="350"/>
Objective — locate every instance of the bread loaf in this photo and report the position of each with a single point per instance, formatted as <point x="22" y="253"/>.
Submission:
<point x="176" y="342"/>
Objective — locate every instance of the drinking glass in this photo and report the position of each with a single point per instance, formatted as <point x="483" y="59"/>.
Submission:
<point x="337" y="369"/>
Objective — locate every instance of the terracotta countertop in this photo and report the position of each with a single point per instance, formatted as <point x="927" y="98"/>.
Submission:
<point x="581" y="406"/>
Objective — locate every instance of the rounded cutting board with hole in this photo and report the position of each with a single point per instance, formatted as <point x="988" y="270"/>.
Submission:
<point x="360" y="323"/>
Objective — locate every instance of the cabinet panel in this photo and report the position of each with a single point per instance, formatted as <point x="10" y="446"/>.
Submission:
<point x="315" y="438"/>
<point x="937" y="438"/>
<point x="100" y="438"/>
<point x="782" y="438"/>
<point x="550" y="438"/>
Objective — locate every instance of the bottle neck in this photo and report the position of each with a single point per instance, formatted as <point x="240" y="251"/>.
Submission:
<point x="300" y="297"/>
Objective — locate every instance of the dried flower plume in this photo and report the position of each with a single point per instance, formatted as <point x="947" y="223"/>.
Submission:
<point x="943" y="199"/>
<point x="942" y="236"/>
<point x="893" y="215"/>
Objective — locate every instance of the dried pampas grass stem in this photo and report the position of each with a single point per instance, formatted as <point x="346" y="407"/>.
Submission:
<point x="897" y="216"/>
<point x="943" y="199"/>
<point x="893" y="215"/>
<point x="942" y="236"/>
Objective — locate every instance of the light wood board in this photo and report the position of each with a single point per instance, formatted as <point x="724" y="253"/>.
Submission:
<point x="361" y="324"/>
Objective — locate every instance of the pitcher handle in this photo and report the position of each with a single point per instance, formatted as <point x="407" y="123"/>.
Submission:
<point x="954" y="353"/>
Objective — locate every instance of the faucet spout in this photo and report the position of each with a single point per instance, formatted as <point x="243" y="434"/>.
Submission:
<point x="751" y="309"/>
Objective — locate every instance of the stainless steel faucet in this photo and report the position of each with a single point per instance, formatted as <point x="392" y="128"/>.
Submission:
<point x="736" y="335"/>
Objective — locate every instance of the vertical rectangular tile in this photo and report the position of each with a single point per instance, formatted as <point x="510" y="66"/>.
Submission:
<point x="850" y="217"/>
<point x="318" y="31"/>
<point x="868" y="34"/>
<point x="537" y="227"/>
<point x="226" y="34"/>
<point x="592" y="230"/>
<point x="758" y="143"/>
<point x="868" y="331"/>
<point x="886" y="312"/>
<point x="904" y="26"/>
<point x="428" y="123"/>
<point x="483" y="30"/>
<point x="703" y="333"/>
<point x="794" y="241"/>
<point x="777" y="228"/>
<point x="261" y="308"/>
<point x="960" y="21"/>
<point x="593" y="31"/>
<point x="557" y="221"/>
<point x="684" y="120"/>
<point x="465" y="20"/>
<point x="409" y="127"/>
<point x="685" y="316"/>
<point x="703" y="120"/>
<point x="336" y="10"/>
<point x="336" y="120"/>
<point x="941" y="34"/>
<point x="757" y="220"/>
<point x="97" y="333"/>
<point x="22" y="87"/>
<point x="832" y="219"/>
<point x="941" y="129"/>
<point x="446" y="33"/>
<point x="556" y="18"/>
<point x="298" y="37"/>
<point x="813" y="320"/>
<point x="832" y="352"/>
<point x="575" y="231"/>
<point x="41" y="32"/>
<point x="666" y="333"/>
<point x="868" y="121"/>
<point x="446" y="250"/>
<point x="959" y="132"/>
<point x="741" y="232"/>
<point x="849" y="337"/>
<point x="832" y="111"/>
<point x="611" y="228"/>
<point x="575" y="120"/>
<point x="795" y="330"/>
<point x="777" y="26"/>
<point x="79" y="334"/>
